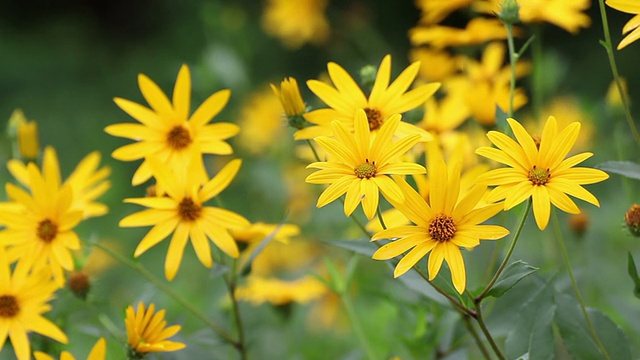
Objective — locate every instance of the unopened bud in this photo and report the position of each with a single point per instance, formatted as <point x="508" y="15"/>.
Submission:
<point x="509" y="12"/>
<point x="79" y="284"/>
<point x="579" y="223"/>
<point x="632" y="219"/>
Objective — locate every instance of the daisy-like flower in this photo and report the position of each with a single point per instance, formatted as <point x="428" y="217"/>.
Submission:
<point x="147" y="331"/>
<point x="24" y="297"/>
<point x="298" y="22"/>
<point x="539" y="169"/>
<point x="182" y="213"/>
<point x="360" y="167"/>
<point x="167" y="131"/>
<point x="385" y="100"/>
<point x="98" y="352"/>
<point x="632" y="26"/>
<point x="442" y="226"/>
<point x="39" y="231"/>
<point x="87" y="182"/>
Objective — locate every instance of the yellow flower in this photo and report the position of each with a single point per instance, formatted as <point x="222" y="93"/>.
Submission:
<point x="147" y="331"/>
<point x="478" y="30"/>
<point x="296" y="23"/>
<point x="23" y="299"/>
<point x="167" y="131"/>
<point x="261" y="122"/>
<point x="360" y="167"/>
<point x="256" y="232"/>
<point x="448" y="222"/>
<point x="435" y="64"/>
<point x="567" y="14"/>
<point x="182" y="213"/>
<point x="385" y="100"/>
<point x="98" y="352"/>
<point x="539" y="171"/>
<point x="28" y="140"/>
<point x="259" y="290"/>
<point x="446" y="115"/>
<point x="289" y="96"/>
<point x="633" y="25"/>
<point x="87" y="182"/>
<point x="434" y="11"/>
<point x="39" y="231"/>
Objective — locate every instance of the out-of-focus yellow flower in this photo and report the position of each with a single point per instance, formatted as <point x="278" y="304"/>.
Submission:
<point x="147" y="331"/>
<point x="567" y="14"/>
<point x="297" y="22"/>
<point x="613" y="98"/>
<point x="633" y="25"/>
<point x="435" y="64"/>
<point x="486" y="84"/>
<point x="278" y="257"/>
<point x="256" y="232"/>
<point x="289" y="96"/>
<point x="445" y="115"/>
<point x="261" y="122"/>
<point x="98" y="352"/>
<point x="434" y="11"/>
<point x="26" y="134"/>
<point x="478" y="30"/>
<point x="300" y="196"/>
<point x="259" y="290"/>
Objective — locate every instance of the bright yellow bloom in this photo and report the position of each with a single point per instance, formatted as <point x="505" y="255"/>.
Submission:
<point x="539" y="171"/>
<point x="147" y="331"/>
<point x="182" y="213"/>
<point x="478" y="30"/>
<point x="434" y="11"/>
<point x="360" y="167"/>
<point x="435" y="64"/>
<point x="446" y="115"/>
<point x="448" y="222"/>
<point x="98" y="352"/>
<point x="298" y="22"/>
<point x="632" y="26"/>
<point x="87" y="182"/>
<point x="289" y="96"/>
<point x="567" y="14"/>
<point x="261" y="122"/>
<point x="259" y="290"/>
<point x="385" y="100"/>
<point x="167" y="131"/>
<point x="23" y="299"/>
<point x="39" y="231"/>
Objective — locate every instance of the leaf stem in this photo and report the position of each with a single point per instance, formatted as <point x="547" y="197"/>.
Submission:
<point x="607" y="44"/>
<point x="574" y="284"/>
<point x="513" y="58"/>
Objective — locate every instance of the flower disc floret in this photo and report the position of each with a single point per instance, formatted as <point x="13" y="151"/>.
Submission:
<point x="442" y="228"/>
<point x="9" y="306"/>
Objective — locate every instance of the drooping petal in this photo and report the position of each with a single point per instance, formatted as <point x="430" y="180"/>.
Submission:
<point x="334" y="191"/>
<point x="453" y="256"/>
<point x="176" y="250"/>
<point x="155" y="235"/>
<point x="413" y="256"/>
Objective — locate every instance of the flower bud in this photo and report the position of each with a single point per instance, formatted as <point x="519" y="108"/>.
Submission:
<point x="509" y="12"/>
<point x="632" y="219"/>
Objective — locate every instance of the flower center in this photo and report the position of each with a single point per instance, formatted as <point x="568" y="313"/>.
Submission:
<point x="47" y="230"/>
<point x="79" y="284"/>
<point x="189" y="210"/>
<point x="366" y="170"/>
<point x="179" y="137"/>
<point x="8" y="306"/>
<point x="539" y="176"/>
<point x="442" y="228"/>
<point x="374" y="117"/>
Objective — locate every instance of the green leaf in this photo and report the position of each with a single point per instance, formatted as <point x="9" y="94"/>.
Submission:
<point x="415" y="282"/>
<point x="633" y="272"/>
<point x="501" y="120"/>
<point x="511" y="275"/>
<point x="624" y="168"/>
<point x="577" y="337"/>
<point x="362" y="247"/>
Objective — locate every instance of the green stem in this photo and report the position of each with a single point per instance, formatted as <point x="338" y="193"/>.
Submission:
<point x="513" y="59"/>
<point x="355" y="323"/>
<point x="457" y="304"/>
<point x="565" y="257"/>
<point x="509" y="252"/>
<point x="384" y="226"/>
<point x="614" y="70"/>
<point x="231" y="285"/>
<point x="476" y="337"/>
<point x="536" y="92"/>
<point x="486" y="332"/>
<point x="313" y="150"/>
<point x="167" y="290"/>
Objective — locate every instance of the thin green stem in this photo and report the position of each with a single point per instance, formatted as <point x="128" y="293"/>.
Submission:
<point x="457" y="304"/>
<point x="565" y="257"/>
<point x="467" y="322"/>
<point x="508" y="255"/>
<point x="355" y="324"/>
<point x="167" y="290"/>
<point x="537" y="86"/>
<point x="614" y="70"/>
<point x="231" y="285"/>
<point x="513" y="59"/>
<point x="487" y="334"/>
<point x="384" y="226"/>
<point x="313" y="150"/>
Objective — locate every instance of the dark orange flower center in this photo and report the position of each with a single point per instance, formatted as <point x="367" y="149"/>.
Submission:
<point x="9" y="306"/>
<point x="366" y="170"/>
<point x="442" y="228"/>
<point x="632" y="219"/>
<point x="189" y="210"/>
<point x="374" y="117"/>
<point x="179" y="138"/>
<point x="79" y="284"/>
<point x="47" y="230"/>
<point x="539" y="176"/>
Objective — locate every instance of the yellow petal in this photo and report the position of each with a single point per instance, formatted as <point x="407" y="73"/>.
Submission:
<point x="453" y="256"/>
<point x="353" y="197"/>
<point x="155" y="235"/>
<point x="541" y="206"/>
<point x="182" y="93"/>
<point x="397" y="247"/>
<point x="176" y="250"/>
<point x="370" y="197"/>
<point x="210" y="108"/>
<point x="412" y="257"/>
<point x="155" y="97"/>
<point x="220" y="182"/>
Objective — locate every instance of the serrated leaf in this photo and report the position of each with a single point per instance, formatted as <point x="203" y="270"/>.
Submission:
<point x="633" y="273"/>
<point x="624" y="168"/>
<point x="511" y="275"/>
